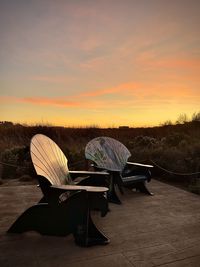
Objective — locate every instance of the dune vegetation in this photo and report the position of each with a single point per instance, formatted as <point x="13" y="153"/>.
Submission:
<point x="174" y="149"/>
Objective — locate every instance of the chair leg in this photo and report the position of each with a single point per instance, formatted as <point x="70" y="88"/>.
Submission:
<point x="58" y="220"/>
<point x="112" y="195"/>
<point x="121" y="189"/>
<point x="99" y="202"/>
<point x="72" y="216"/>
<point x="87" y="234"/>
<point x="143" y="189"/>
<point x="36" y="218"/>
<point x="118" y="181"/>
<point x="95" y="236"/>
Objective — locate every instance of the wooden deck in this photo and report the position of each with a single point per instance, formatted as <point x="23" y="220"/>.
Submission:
<point x="163" y="230"/>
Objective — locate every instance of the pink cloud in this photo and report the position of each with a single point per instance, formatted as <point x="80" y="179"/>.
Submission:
<point x="50" y="101"/>
<point x="182" y="63"/>
<point x="150" y="59"/>
<point x="122" y="89"/>
<point x="130" y="94"/>
<point x="9" y="99"/>
<point x="40" y="101"/>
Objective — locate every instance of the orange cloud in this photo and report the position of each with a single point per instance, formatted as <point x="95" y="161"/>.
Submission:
<point x="149" y="58"/>
<point x="50" y="101"/>
<point x="123" y="89"/>
<point x="9" y="99"/>
<point x="126" y="95"/>
<point x="178" y="63"/>
<point x="40" y="101"/>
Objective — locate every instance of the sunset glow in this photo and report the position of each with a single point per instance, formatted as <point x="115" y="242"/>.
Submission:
<point x="105" y="63"/>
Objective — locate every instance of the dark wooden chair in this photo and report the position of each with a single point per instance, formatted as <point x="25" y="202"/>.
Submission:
<point x="66" y="205"/>
<point x="109" y="154"/>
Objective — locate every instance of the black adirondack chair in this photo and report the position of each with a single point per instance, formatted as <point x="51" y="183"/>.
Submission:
<point x="66" y="205"/>
<point x="109" y="154"/>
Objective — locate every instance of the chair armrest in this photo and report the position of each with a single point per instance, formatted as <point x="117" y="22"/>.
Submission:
<point x="90" y="178"/>
<point x="98" y="167"/>
<point x="104" y="169"/>
<point x="139" y="165"/>
<point x="87" y="173"/>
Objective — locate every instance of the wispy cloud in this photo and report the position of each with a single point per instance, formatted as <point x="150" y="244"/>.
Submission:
<point x="153" y="60"/>
<point x="125" y="95"/>
<point x="50" y="101"/>
<point x="59" y="102"/>
<point x="121" y="89"/>
<point x="179" y="63"/>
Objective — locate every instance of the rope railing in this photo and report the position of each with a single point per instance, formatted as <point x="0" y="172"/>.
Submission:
<point x="82" y="161"/>
<point x="16" y="166"/>
<point x="11" y="165"/>
<point x="175" y="173"/>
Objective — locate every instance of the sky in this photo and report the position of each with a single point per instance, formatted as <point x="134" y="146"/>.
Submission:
<point x="99" y="63"/>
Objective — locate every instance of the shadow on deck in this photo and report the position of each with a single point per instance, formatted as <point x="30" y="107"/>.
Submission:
<point x="163" y="230"/>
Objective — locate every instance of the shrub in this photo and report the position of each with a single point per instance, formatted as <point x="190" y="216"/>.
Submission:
<point x="17" y="162"/>
<point x="174" y="147"/>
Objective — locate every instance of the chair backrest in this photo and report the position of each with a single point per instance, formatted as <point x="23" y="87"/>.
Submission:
<point x="107" y="153"/>
<point x="49" y="160"/>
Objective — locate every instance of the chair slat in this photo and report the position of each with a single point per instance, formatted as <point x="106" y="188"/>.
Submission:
<point x="102" y="151"/>
<point x="49" y="160"/>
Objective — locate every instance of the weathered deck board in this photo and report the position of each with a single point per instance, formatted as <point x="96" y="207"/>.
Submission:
<point x="163" y="230"/>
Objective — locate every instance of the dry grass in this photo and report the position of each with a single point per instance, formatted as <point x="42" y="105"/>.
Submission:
<point x="174" y="147"/>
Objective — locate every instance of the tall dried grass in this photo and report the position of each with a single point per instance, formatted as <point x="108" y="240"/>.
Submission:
<point x="174" y="147"/>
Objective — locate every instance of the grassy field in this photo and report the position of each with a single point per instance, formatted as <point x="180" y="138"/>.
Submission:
<point x="173" y="147"/>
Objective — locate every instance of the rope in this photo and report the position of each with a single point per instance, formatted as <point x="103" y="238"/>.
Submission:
<point x="81" y="161"/>
<point x="12" y="165"/>
<point x="175" y="173"/>
<point x="16" y="166"/>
